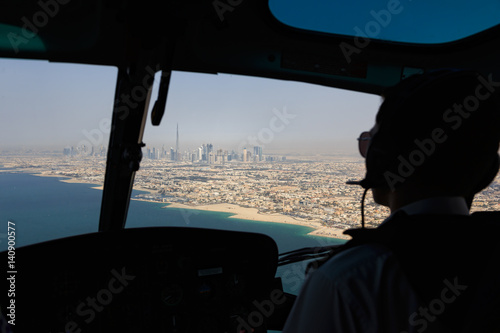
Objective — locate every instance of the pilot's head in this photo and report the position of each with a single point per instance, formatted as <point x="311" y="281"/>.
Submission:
<point x="436" y="134"/>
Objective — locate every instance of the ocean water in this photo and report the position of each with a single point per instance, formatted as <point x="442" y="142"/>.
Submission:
<point x="44" y="208"/>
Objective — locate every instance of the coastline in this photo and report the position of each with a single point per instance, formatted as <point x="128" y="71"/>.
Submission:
<point x="98" y="186"/>
<point x="238" y="212"/>
<point x="253" y="214"/>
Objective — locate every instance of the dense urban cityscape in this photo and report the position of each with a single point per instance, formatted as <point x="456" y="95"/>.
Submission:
<point x="307" y="188"/>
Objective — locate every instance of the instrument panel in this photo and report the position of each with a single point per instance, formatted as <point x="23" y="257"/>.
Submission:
<point x="149" y="279"/>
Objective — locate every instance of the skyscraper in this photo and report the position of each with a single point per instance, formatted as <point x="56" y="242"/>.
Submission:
<point x="257" y="151"/>
<point x="177" y="144"/>
<point x="199" y="157"/>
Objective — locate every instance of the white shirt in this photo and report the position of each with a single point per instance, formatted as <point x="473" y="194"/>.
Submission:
<point x="363" y="289"/>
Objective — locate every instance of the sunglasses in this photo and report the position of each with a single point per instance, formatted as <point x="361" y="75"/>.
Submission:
<point x="364" y="143"/>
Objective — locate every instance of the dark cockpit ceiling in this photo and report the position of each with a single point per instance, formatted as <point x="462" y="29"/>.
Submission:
<point x="227" y="36"/>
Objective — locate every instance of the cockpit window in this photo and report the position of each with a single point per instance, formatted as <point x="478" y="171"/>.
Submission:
<point x="407" y="21"/>
<point x="232" y="152"/>
<point x="54" y="132"/>
<point x="254" y="154"/>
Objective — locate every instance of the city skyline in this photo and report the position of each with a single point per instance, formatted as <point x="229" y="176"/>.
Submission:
<point x="206" y="153"/>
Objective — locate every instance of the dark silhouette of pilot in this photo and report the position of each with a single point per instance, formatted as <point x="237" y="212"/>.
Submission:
<point x="431" y="265"/>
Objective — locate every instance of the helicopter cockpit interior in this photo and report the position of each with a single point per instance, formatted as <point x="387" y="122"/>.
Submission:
<point x="193" y="279"/>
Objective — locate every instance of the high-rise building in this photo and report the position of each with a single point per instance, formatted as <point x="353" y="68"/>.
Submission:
<point x="207" y="149"/>
<point x="245" y="155"/>
<point x="211" y="158"/>
<point x="200" y="154"/>
<point x="233" y="156"/>
<point x="172" y="154"/>
<point x="221" y="158"/>
<point x="257" y="152"/>
<point x="177" y="144"/>
<point x="163" y="152"/>
<point x="102" y="151"/>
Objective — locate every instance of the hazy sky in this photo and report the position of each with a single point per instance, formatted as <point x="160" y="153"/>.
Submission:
<point x="61" y="105"/>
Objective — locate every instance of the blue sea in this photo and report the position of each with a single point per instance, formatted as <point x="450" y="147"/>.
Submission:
<point x="45" y="208"/>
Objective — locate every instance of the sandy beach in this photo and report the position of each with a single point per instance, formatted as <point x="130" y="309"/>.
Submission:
<point x="239" y="212"/>
<point x="254" y="215"/>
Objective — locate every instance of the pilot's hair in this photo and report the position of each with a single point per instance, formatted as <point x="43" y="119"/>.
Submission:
<point x="445" y="124"/>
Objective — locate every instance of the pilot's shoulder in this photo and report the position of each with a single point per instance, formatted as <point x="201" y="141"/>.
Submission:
<point x="361" y="260"/>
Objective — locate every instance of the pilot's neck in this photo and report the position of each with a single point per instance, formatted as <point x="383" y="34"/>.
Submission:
<point x="440" y="205"/>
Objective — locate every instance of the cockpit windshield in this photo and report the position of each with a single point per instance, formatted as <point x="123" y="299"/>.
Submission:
<point x="232" y="152"/>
